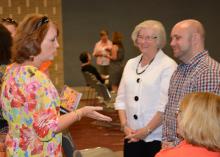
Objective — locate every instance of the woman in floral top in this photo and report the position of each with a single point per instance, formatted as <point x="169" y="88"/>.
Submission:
<point x="30" y="102"/>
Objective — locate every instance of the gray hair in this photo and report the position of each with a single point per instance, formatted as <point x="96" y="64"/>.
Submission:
<point x="156" y="26"/>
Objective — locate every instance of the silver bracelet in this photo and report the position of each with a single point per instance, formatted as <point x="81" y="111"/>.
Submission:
<point x="149" y="131"/>
<point x="123" y="127"/>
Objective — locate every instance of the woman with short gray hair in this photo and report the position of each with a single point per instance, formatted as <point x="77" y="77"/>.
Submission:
<point x="143" y="89"/>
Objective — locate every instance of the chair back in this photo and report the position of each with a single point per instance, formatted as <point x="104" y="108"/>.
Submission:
<point x="103" y="91"/>
<point x="90" y="79"/>
<point x="100" y="88"/>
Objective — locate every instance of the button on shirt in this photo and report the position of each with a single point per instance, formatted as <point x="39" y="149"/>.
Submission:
<point x="151" y="90"/>
<point x="201" y="74"/>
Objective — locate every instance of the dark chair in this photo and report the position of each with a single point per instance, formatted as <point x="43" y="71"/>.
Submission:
<point x="90" y="79"/>
<point x="103" y="91"/>
<point x="100" y="88"/>
<point x="90" y="88"/>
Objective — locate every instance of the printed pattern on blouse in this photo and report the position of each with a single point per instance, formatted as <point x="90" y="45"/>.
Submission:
<point x="30" y="104"/>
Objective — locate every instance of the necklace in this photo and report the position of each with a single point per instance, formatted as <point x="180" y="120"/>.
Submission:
<point x="138" y="73"/>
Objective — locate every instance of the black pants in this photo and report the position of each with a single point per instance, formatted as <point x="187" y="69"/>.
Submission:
<point x="141" y="148"/>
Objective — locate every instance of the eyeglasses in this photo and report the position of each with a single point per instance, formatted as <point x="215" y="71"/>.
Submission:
<point x="10" y="21"/>
<point x="146" y="38"/>
<point x="41" y="22"/>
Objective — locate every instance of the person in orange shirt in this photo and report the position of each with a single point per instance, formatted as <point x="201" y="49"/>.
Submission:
<point x="44" y="67"/>
<point x="198" y="122"/>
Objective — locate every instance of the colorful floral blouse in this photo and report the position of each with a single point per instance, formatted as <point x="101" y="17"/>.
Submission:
<point x="30" y="104"/>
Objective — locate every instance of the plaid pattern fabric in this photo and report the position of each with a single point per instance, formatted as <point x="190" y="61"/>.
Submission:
<point x="201" y="74"/>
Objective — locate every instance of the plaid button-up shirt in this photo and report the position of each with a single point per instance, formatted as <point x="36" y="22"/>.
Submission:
<point x="202" y="74"/>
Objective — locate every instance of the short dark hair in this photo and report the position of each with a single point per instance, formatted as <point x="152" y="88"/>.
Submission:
<point x="83" y="57"/>
<point x="117" y="39"/>
<point x="5" y="45"/>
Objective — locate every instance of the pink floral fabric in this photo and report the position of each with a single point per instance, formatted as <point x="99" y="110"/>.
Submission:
<point x="30" y="104"/>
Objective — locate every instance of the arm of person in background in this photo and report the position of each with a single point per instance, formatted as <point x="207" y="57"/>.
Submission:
<point x="114" y="53"/>
<point x="97" y="52"/>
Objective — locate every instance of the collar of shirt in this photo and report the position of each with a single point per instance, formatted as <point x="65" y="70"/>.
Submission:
<point x="194" y="61"/>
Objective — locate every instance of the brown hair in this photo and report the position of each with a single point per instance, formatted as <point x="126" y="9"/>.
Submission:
<point x="200" y="120"/>
<point x="5" y="45"/>
<point x="103" y="32"/>
<point x="117" y="39"/>
<point x="29" y="36"/>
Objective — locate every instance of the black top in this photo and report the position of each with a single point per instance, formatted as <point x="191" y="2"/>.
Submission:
<point x="90" y="68"/>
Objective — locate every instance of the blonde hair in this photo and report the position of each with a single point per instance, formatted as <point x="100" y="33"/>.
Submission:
<point x="200" y="120"/>
<point x="156" y="26"/>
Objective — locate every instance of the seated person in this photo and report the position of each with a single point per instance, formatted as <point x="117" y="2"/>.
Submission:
<point x="86" y="66"/>
<point x="198" y="122"/>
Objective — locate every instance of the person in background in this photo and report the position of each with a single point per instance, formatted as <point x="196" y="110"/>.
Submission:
<point x="116" y="63"/>
<point x="143" y="89"/>
<point x="30" y="102"/>
<point x="86" y="66"/>
<point x="5" y="57"/>
<point x="101" y="51"/>
<point x="10" y="24"/>
<point x="44" y="67"/>
<point x="198" y="123"/>
<point x="198" y="72"/>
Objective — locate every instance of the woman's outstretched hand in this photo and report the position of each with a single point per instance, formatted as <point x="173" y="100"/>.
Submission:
<point x="91" y="112"/>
